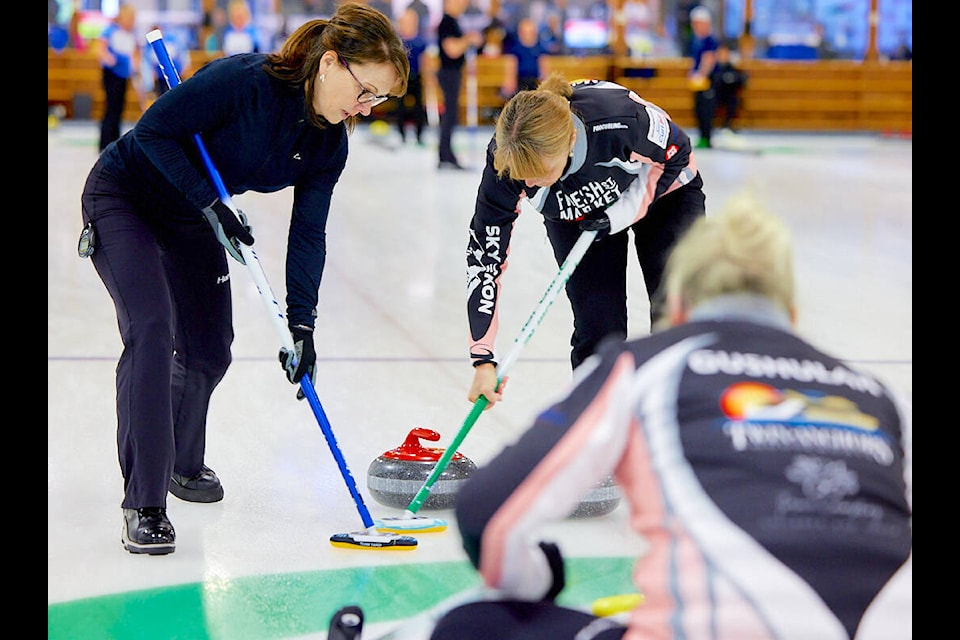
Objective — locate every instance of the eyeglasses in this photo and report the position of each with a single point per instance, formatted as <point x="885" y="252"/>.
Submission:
<point x="366" y="96"/>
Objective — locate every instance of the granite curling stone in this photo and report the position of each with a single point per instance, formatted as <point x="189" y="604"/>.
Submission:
<point x="395" y="477"/>
<point x="600" y="500"/>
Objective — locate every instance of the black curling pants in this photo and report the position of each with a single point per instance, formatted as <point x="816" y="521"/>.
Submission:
<point x="172" y="297"/>
<point x="597" y="290"/>
<point x="519" y="620"/>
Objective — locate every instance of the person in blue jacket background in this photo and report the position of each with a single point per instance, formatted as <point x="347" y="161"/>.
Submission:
<point x="119" y="53"/>
<point x="703" y="51"/>
<point x="410" y="108"/>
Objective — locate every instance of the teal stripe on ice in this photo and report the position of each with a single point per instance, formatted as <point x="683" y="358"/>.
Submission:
<point x="268" y="607"/>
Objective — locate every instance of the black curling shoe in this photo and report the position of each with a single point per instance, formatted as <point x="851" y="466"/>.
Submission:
<point x="203" y="487"/>
<point x="148" y="530"/>
<point x="346" y="624"/>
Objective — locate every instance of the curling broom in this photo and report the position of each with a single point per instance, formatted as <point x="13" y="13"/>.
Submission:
<point x="409" y="522"/>
<point x="371" y="538"/>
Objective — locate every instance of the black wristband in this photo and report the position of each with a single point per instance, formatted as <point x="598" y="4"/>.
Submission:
<point x="555" y="560"/>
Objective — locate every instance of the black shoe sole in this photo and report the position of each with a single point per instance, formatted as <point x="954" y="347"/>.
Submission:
<point x="148" y="549"/>
<point x="346" y="624"/>
<point x="196" y="495"/>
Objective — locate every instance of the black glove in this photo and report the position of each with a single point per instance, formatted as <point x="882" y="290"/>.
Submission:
<point x="303" y="360"/>
<point x="555" y="560"/>
<point x="599" y="223"/>
<point x="230" y="231"/>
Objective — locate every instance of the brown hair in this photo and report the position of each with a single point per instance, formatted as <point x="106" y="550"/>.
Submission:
<point x="534" y="126"/>
<point x="358" y="33"/>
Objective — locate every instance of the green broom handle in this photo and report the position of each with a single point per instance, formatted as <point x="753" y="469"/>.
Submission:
<point x="549" y="296"/>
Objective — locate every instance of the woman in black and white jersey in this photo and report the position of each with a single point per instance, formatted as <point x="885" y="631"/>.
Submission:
<point x="586" y="155"/>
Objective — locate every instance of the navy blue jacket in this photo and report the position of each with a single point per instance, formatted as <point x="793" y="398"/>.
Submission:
<point x="256" y="131"/>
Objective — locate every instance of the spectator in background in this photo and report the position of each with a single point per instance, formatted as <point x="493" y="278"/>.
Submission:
<point x="453" y="43"/>
<point x="215" y="23"/>
<point x="728" y="81"/>
<point x="73" y="28"/>
<point x="638" y="27"/>
<point x="118" y="49"/>
<point x="383" y="7"/>
<point x="903" y="50"/>
<point x="410" y="107"/>
<point x="240" y="36"/>
<point x="494" y="38"/>
<point x="664" y="44"/>
<point x="423" y="15"/>
<point x="525" y="49"/>
<point x="510" y="13"/>
<point x="551" y="34"/>
<point x="282" y="33"/>
<point x="825" y="49"/>
<point x="58" y="34"/>
<point x="703" y="50"/>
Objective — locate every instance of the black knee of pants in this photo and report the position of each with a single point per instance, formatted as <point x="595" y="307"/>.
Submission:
<point x="597" y="290"/>
<point x="520" y="620"/>
<point x="656" y="234"/>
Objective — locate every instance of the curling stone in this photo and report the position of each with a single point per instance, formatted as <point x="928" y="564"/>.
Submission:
<point x="395" y="477"/>
<point x="600" y="501"/>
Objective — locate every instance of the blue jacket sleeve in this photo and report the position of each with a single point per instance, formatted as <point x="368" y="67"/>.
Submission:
<point x="208" y="101"/>
<point x="307" y="250"/>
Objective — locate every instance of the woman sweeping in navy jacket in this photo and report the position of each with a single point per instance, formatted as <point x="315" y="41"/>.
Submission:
<point x="161" y="235"/>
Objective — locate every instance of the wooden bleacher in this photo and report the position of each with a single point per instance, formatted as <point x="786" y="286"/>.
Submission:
<point x="578" y="68"/>
<point x="662" y="82"/>
<point x="73" y="74"/>
<point x="803" y="95"/>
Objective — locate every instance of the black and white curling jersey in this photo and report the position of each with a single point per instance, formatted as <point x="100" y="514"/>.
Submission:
<point x="772" y="482"/>
<point x="627" y="154"/>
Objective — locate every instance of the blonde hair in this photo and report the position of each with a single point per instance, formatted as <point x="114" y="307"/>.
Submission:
<point x="534" y="126"/>
<point x="743" y="249"/>
<point x="126" y="15"/>
<point x="239" y="13"/>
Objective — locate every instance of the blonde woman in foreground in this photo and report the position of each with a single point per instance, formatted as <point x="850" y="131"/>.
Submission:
<point x="771" y="480"/>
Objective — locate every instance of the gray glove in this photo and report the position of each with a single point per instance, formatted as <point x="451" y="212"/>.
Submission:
<point x="230" y="231"/>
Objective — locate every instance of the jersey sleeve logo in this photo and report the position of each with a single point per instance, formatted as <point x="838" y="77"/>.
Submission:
<point x="659" y="131"/>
